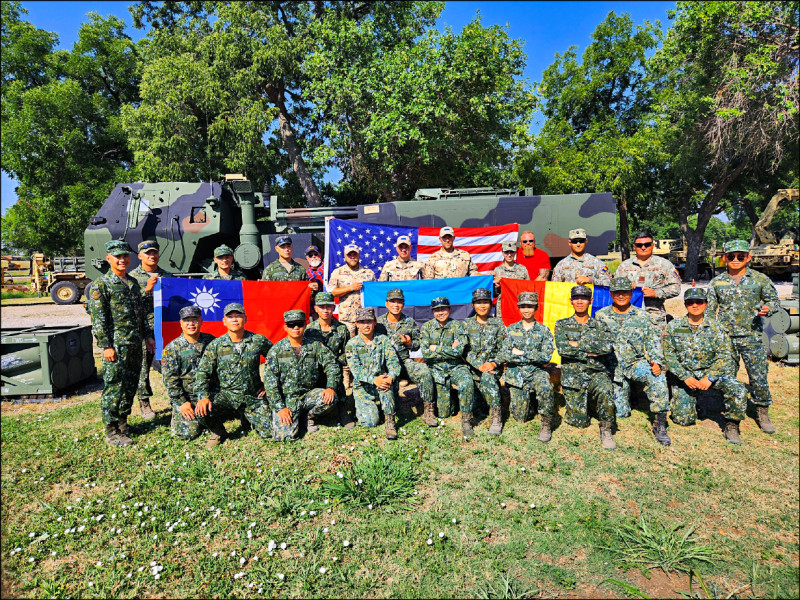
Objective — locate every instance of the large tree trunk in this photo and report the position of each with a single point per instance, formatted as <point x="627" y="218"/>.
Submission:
<point x="624" y="227"/>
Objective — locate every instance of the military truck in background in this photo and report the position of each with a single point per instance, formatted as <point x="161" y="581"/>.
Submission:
<point x="770" y="256"/>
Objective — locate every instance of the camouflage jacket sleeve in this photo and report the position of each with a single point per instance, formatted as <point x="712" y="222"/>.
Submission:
<point x="392" y="361"/>
<point x="171" y="375"/>
<point x="100" y="311"/>
<point x="360" y="371"/>
<point x="144" y="322"/>
<point x="672" y="284"/>
<point x="655" y="349"/>
<point x="602" y="277"/>
<point x="713" y="301"/>
<point x="329" y="364"/>
<point x="564" y="334"/>
<point x="537" y="347"/>
<point x="442" y="338"/>
<point x="724" y="355"/>
<point x="472" y="269"/>
<point x="671" y="353"/>
<point x="206" y="372"/>
<point x="272" y="386"/>
<point x="769" y="295"/>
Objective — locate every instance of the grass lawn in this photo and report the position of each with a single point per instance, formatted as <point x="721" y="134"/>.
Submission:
<point x="348" y="514"/>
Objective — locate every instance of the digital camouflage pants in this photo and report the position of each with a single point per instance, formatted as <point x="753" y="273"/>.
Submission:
<point x="655" y="388"/>
<point x="145" y="392"/>
<point x="540" y="386"/>
<point x="684" y="400"/>
<point x="120" y="380"/>
<point x="488" y="384"/>
<point x="311" y="403"/>
<point x="597" y="390"/>
<point x="369" y="398"/>
<point x="420" y="374"/>
<point x="461" y="378"/>
<point x="189" y="429"/>
<point x="755" y="362"/>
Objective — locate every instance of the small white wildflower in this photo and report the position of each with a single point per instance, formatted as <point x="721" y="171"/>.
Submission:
<point x="429" y="542"/>
<point x="323" y="570"/>
<point x="281" y="576"/>
<point x="346" y="543"/>
<point x="441" y="534"/>
<point x="98" y="564"/>
<point x="242" y="560"/>
<point x="283" y="545"/>
<point x="271" y="546"/>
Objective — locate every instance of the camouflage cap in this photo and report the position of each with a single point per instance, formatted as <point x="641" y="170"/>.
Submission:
<point x="620" y="284"/>
<point x="223" y="250"/>
<point x="118" y="248"/>
<point x="292" y="316"/>
<point x="447" y="231"/>
<point x="233" y="307"/>
<point x="190" y="311"/>
<point x="148" y="245"/>
<point x="509" y="246"/>
<point x="577" y="234"/>
<point x="528" y="299"/>
<point x="403" y="239"/>
<point x="365" y="314"/>
<point x="481" y="294"/>
<point x="695" y="293"/>
<point x="311" y="249"/>
<point x="283" y="240"/>
<point x="351" y="248"/>
<point x="395" y="294"/>
<point x="440" y="302"/>
<point x="324" y="298"/>
<point x="736" y="246"/>
<point x="580" y="291"/>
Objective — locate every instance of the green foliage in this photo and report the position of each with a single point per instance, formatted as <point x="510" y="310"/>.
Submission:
<point x="504" y="588"/>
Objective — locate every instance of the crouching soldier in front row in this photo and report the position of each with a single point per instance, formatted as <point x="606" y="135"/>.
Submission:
<point x="699" y="356"/>
<point x="585" y="346"/>
<point x="294" y="365"/>
<point x="527" y="349"/>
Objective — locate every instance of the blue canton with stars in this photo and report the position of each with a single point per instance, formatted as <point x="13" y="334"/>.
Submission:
<point x="376" y="243"/>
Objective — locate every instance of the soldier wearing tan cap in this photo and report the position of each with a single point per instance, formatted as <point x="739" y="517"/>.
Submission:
<point x="510" y="269"/>
<point x="580" y="266"/>
<point x="346" y="282"/>
<point x="447" y="261"/>
<point x="402" y="268"/>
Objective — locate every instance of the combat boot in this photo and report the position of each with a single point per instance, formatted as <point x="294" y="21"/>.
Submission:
<point x="466" y="425"/>
<point x="496" y="427"/>
<point x="606" y="437"/>
<point x="123" y="426"/>
<point x="147" y="412"/>
<point x="546" y="430"/>
<point x="762" y="414"/>
<point x="660" y="429"/>
<point x="218" y="435"/>
<point x="732" y="432"/>
<point x="344" y="417"/>
<point x="115" y="438"/>
<point x="311" y="426"/>
<point x="428" y="417"/>
<point x="391" y="432"/>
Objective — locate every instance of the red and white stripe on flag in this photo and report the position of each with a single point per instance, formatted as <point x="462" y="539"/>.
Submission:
<point x="485" y="244"/>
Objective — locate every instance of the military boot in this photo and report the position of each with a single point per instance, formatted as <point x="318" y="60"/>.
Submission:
<point x="732" y="432"/>
<point x="496" y="427"/>
<point x="123" y="426"/>
<point x="428" y="417"/>
<point x="344" y="417"/>
<point x="391" y="431"/>
<point x="147" y="412"/>
<point x="311" y="426"/>
<point x="546" y="430"/>
<point x="660" y="429"/>
<point x="115" y="438"/>
<point x="606" y="437"/>
<point x="466" y="425"/>
<point x="762" y="416"/>
<point x="218" y="435"/>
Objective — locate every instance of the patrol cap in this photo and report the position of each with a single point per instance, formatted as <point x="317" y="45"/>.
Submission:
<point x="440" y="302"/>
<point x="283" y="240"/>
<point x="365" y="314"/>
<point x="395" y="294"/>
<point x="736" y="246"/>
<point x="580" y="291"/>
<point x="620" y="284"/>
<point x="351" y="248"/>
<point x="528" y="299"/>
<point x="447" y="231"/>
<point x="223" y="250"/>
<point x="311" y="249"/>
<point x="190" y="311"/>
<point x="233" y="307"/>
<point x="292" y="316"/>
<point x="509" y="246"/>
<point x="323" y="298"/>
<point x="577" y="234"/>
<point x="403" y="239"/>
<point x="118" y="248"/>
<point x="481" y="294"/>
<point x="695" y="293"/>
<point x="148" y="245"/>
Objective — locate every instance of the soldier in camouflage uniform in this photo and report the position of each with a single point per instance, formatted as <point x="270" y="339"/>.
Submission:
<point x="510" y="269"/>
<point x="527" y="348"/>
<point x="448" y="261"/>
<point x="403" y="333"/>
<point x="738" y="299"/>
<point x="179" y="363"/>
<point x="375" y="367"/>
<point x="402" y="268"/>
<point x="227" y="378"/>
<point x="120" y="325"/>
<point x="585" y="346"/>
<point x="285" y="268"/>
<point x="639" y="356"/>
<point x="224" y="269"/>
<point x="580" y="266"/>
<point x="329" y="332"/>
<point x="444" y="343"/>
<point x="655" y="275"/>
<point x="294" y="367"/>
<point x="346" y="282"/>
<point x="699" y="356"/>
<point x="147" y="273"/>
<point x="486" y="336"/>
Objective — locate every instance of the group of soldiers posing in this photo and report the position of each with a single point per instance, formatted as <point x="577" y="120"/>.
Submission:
<point x="307" y="374"/>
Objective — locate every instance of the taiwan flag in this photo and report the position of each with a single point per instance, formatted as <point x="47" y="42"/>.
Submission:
<point x="264" y="304"/>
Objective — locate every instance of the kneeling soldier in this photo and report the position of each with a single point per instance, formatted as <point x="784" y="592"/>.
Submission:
<point x="699" y="355"/>
<point x="179" y="363"/>
<point x="443" y="344"/>
<point x="585" y="345"/>
<point x="527" y="349"/>
<point x="293" y="367"/>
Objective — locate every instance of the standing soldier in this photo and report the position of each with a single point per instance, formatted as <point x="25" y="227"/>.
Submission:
<point x="447" y="261"/>
<point x="120" y="326"/>
<point x="585" y="345"/>
<point x="403" y="333"/>
<point x="580" y="266"/>
<point x="639" y="356"/>
<point x="315" y="271"/>
<point x="147" y="273"/>
<point x="227" y="378"/>
<point x="536" y="260"/>
<point x="699" y="355"/>
<point x="330" y="333"/>
<point x="223" y="257"/>
<point x="486" y="336"/>
<point x="528" y="347"/>
<point x="510" y="269"/>
<point x="294" y="367"/>
<point x="738" y="298"/>
<point x="655" y="275"/>
<point x="375" y="369"/>
<point x="285" y="268"/>
<point x="179" y="363"/>
<point x="346" y="282"/>
<point x="443" y="343"/>
<point x="402" y="268"/>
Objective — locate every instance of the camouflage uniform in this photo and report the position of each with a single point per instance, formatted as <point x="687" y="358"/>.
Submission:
<point x="704" y="352"/>
<point x="525" y="373"/>
<point x="570" y="268"/>
<point x="517" y="271"/>
<point x="367" y="361"/>
<point x="419" y="373"/>
<point x="179" y="363"/>
<point x="140" y="275"/>
<point x="234" y="274"/>
<point x="334" y="339"/>
<point x="735" y="306"/>
<point x="230" y="379"/>
<point x="276" y="271"/>
<point x="290" y="382"/>
<point x="457" y="263"/>
<point x="446" y="364"/>
<point x="585" y="378"/>
<point x="119" y="322"/>
<point x="658" y="274"/>
<point x="350" y="302"/>
<point x="402" y="270"/>
<point x="637" y="342"/>
<point x="485" y="345"/>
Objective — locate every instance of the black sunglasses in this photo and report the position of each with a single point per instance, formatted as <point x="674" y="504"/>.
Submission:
<point x="643" y="244"/>
<point x="296" y="325"/>
<point x="578" y="241"/>
<point x="527" y="241"/>
<point x="736" y="255"/>
<point x="690" y="302"/>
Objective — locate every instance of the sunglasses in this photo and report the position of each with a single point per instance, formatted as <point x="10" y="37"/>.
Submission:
<point x="740" y="256"/>
<point x="509" y="251"/>
<point x="578" y="241"/>
<point x="691" y="302"/>
<point x="312" y="254"/>
<point x="527" y="241"/>
<point x="643" y="244"/>
<point x="296" y="325"/>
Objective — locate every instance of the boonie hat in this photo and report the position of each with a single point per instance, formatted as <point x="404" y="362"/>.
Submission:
<point x="403" y="239"/>
<point x="190" y="311"/>
<point x="223" y="250"/>
<point x="284" y="239"/>
<point x="695" y="293"/>
<point x="233" y="307"/>
<point x="291" y="316"/>
<point x="351" y="248"/>
<point x="440" y="302"/>
<point x="580" y="291"/>
<point x="311" y="249"/>
<point x="509" y="246"/>
<point x="365" y="314"/>
<point x="481" y="294"/>
<point x="118" y="248"/>
<point x="446" y="231"/>
<point x="577" y="233"/>
<point x="395" y="294"/>
<point x="323" y="298"/>
<point x="620" y="284"/>
<point x="148" y="245"/>
<point x="528" y="299"/>
<point x="736" y="246"/>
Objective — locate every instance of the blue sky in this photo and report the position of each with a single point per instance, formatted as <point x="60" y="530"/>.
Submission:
<point x="545" y="27"/>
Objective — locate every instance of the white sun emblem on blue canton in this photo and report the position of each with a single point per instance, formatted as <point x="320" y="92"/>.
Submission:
<point x="205" y="299"/>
